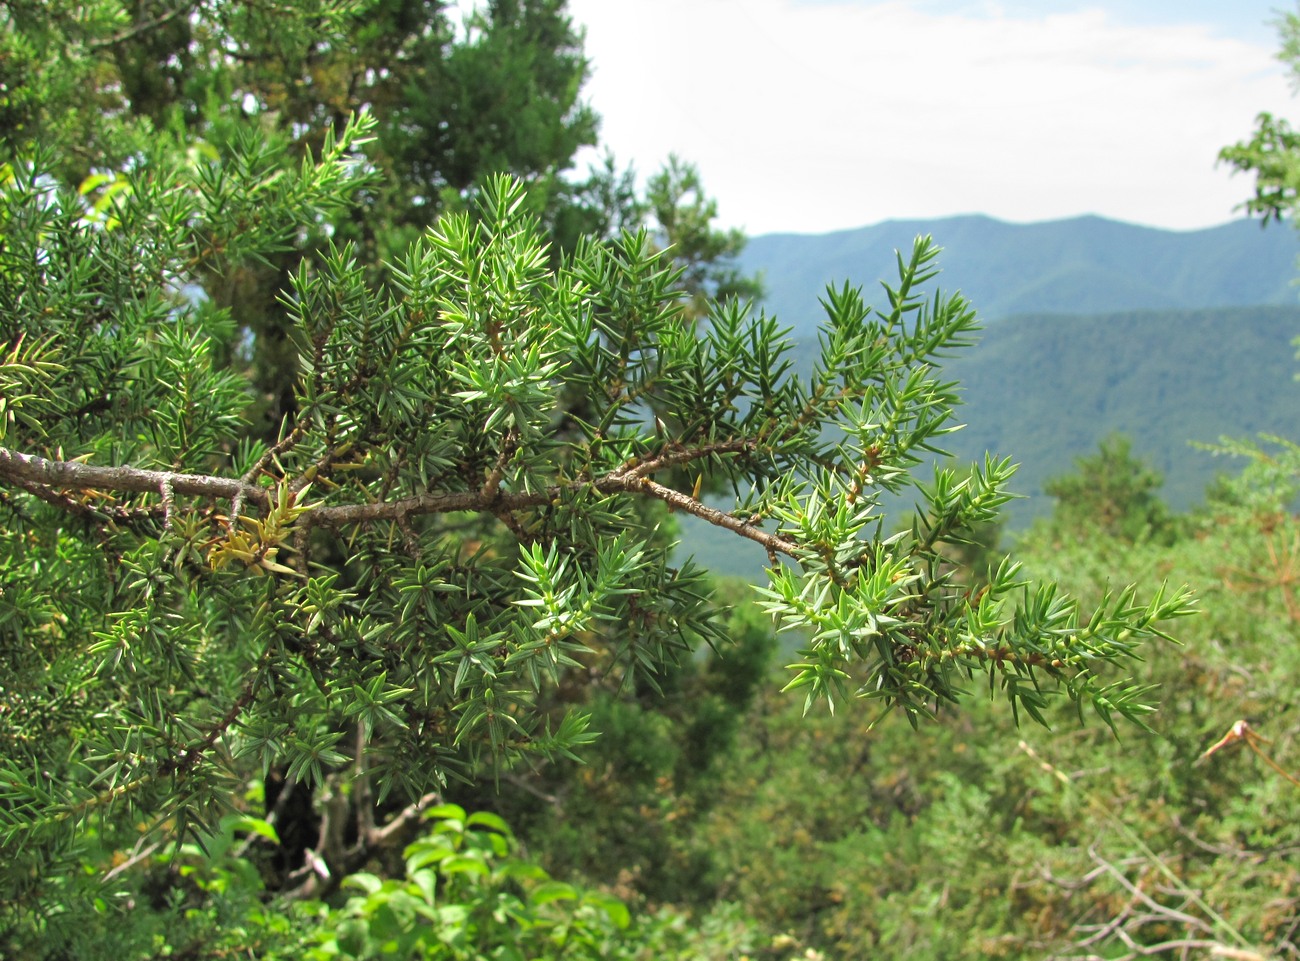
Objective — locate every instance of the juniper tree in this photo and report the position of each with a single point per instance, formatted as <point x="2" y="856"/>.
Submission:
<point x="466" y="510"/>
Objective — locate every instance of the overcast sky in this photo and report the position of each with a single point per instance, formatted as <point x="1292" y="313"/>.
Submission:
<point x="816" y="115"/>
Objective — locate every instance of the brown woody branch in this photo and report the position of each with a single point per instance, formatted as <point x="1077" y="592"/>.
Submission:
<point x="29" y="472"/>
<point x="330" y="861"/>
<point x="24" y="469"/>
<point x="675" y="456"/>
<point x="142" y="27"/>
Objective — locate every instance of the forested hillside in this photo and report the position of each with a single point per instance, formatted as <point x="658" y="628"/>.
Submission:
<point x="1092" y="327"/>
<point x="1052" y="387"/>
<point x="1085" y="265"/>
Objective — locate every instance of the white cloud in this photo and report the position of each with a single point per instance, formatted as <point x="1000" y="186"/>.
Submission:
<point x="818" y="116"/>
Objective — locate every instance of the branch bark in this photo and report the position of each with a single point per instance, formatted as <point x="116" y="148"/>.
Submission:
<point x="20" y="469"/>
<point x="142" y="27"/>
<point x="54" y="477"/>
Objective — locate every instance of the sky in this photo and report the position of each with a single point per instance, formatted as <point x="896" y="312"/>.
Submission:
<point x="807" y="116"/>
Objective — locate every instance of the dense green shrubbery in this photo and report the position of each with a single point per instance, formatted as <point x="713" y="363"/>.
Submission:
<point x="974" y="839"/>
<point x="463" y="889"/>
<point x="328" y="534"/>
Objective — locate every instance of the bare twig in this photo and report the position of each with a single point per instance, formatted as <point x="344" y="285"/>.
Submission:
<point x="1161" y="912"/>
<point x="142" y="27"/>
<point x="53" y="477"/>
<point x="1213" y="922"/>
<point x="1241" y="731"/>
<point x="328" y="862"/>
<point x="142" y="853"/>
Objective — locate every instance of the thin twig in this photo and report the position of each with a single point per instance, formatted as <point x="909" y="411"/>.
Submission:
<point x="62" y="475"/>
<point x="141" y="853"/>
<point x="143" y="27"/>
<point x="55" y="476"/>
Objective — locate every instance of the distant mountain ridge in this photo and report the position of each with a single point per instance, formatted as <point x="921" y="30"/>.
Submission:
<point x="1045" y="389"/>
<point x="1092" y="326"/>
<point x="1083" y="265"/>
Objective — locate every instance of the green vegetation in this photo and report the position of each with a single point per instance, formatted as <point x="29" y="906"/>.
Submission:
<point x="342" y="462"/>
<point x="1168" y="380"/>
<point x="978" y="839"/>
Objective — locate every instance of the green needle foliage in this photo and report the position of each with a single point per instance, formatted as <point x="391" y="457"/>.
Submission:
<point x="466" y="511"/>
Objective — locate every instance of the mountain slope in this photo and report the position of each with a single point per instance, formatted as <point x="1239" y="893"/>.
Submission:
<point x="1079" y="266"/>
<point x="1045" y="389"/>
<point x="1093" y="327"/>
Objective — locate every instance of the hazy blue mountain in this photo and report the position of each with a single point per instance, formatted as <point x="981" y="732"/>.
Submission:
<point x="1084" y="265"/>
<point x="1092" y="327"/>
<point x="1045" y="389"/>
